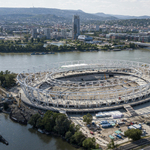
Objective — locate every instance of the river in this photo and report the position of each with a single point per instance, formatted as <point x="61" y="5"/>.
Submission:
<point x="24" y="137"/>
<point x="21" y="62"/>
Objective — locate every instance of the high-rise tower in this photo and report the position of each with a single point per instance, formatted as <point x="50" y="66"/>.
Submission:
<point x="34" y="33"/>
<point x="75" y="27"/>
<point x="47" y="33"/>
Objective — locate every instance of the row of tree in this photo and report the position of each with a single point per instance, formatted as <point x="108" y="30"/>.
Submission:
<point x="60" y="124"/>
<point x="109" y="47"/>
<point x="10" y="47"/>
<point x="7" y="79"/>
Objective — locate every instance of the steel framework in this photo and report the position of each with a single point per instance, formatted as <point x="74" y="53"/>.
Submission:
<point x="49" y="85"/>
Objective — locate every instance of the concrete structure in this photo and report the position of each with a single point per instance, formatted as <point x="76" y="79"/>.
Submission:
<point x="34" y="33"/>
<point x="85" y="38"/>
<point x="63" y="33"/>
<point x="47" y="33"/>
<point x="141" y="44"/>
<point x="87" y="85"/>
<point x="97" y="27"/>
<point x="75" y="27"/>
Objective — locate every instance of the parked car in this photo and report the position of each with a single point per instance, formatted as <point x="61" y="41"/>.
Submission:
<point x="91" y="133"/>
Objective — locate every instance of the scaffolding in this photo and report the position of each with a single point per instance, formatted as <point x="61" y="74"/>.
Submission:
<point x="86" y="84"/>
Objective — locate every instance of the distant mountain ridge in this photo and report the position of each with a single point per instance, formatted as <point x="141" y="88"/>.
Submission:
<point x="122" y="16"/>
<point x="68" y="14"/>
<point x="58" y="14"/>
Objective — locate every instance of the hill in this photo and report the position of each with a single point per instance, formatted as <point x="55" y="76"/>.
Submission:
<point x="58" y="13"/>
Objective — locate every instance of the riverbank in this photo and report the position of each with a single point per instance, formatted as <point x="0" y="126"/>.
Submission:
<point x="22" y="115"/>
<point x="23" y="137"/>
<point x="69" y="51"/>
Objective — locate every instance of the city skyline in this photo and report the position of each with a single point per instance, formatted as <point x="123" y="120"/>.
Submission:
<point x="119" y="7"/>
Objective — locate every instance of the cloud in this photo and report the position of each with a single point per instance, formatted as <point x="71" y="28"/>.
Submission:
<point x="129" y="1"/>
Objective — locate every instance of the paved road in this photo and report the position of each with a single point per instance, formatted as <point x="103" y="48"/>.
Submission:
<point x="135" y="144"/>
<point x="4" y="91"/>
<point x="146" y="148"/>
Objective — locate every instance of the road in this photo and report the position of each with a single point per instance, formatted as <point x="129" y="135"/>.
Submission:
<point x="146" y="148"/>
<point x="135" y="144"/>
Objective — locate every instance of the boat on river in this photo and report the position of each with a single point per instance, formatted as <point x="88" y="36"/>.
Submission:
<point x="39" y="130"/>
<point x="43" y="53"/>
<point x="116" y="49"/>
<point x="33" y="53"/>
<point x="130" y="49"/>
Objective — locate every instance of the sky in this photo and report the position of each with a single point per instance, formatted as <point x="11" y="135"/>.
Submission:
<point x="120" y="7"/>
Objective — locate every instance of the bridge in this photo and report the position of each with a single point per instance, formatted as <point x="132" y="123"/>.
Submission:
<point x="142" y="44"/>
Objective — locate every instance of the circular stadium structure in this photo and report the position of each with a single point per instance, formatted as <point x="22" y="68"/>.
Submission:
<point x="86" y="85"/>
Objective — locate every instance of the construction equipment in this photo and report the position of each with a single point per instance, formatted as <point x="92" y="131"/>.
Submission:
<point x="117" y="125"/>
<point x="19" y="102"/>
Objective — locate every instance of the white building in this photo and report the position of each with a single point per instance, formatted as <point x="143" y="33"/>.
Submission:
<point x="85" y="38"/>
<point x="63" y="33"/>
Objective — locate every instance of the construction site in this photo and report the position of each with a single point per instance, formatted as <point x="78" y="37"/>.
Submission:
<point x="17" y="110"/>
<point x="86" y="86"/>
<point x="115" y="92"/>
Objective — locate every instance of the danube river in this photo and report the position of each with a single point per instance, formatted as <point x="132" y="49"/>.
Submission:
<point x="21" y="62"/>
<point x="24" y="137"/>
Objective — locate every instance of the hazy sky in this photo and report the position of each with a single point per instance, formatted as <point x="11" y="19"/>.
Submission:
<point x="123" y="7"/>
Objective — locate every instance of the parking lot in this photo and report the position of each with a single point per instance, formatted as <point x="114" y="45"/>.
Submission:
<point x="102" y="135"/>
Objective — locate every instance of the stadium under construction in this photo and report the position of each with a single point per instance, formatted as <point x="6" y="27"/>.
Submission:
<point x="86" y="86"/>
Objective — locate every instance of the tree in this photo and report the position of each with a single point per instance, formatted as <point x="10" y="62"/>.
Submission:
<point x="5" y="106"/>
<point x="7" y="79"/>
<point x="26" y="38"/>
<point x="7" y="72"/>
<point x="62" y="124"/>
<point x="39" y="123"/>
<point x="79" y="137"/>
<point x="2" y="79"/>
<point x="31" y="40"/>
<point x="131" y="45"/>
<point x="38" y="40"/>
<point x="74" y="128"/>
<point x="48" y="120"/>
<point x="43" y="39"/>
<point x="111" y="145"/>
<point x="72" y="140"/>
<point x="87" y="118"/>
<point x="34" y="119"/>
<point x="134" y="134"/>
<point x="68" y="136"/>
<point x="89" y="143"/>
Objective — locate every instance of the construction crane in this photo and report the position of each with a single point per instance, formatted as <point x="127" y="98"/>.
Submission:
<point x="19" y="103"/>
